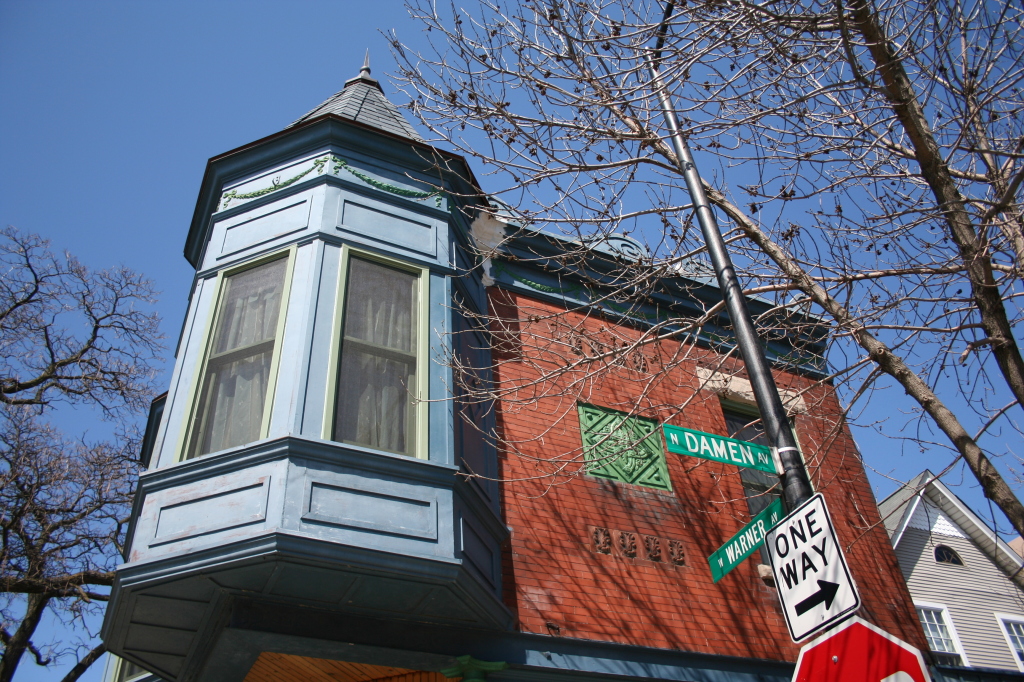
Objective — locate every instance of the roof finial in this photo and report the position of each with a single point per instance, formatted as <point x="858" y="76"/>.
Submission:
<point x="365" y="71"/>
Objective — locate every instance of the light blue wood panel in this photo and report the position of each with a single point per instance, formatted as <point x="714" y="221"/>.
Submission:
<point x="209" y="511"/>
<point x="440" y="410"/>
<point x="289" y="390"/>
<point x="265" y="225"/>
<point x="255" y="186"/>
<point x="324" y="297"/>
<point x="302" y="373"/>
<point x="190" y="352"/>
<point x="365" y="508"/>
<point x="386" y="225"/>
<point x="368" y="509"/>
<point x="220" y="511"/>
<point x="480" y="552"/>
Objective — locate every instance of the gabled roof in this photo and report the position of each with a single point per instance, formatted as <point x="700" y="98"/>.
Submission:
<point x="924" y="493"/>
<point x="362" y="100"/>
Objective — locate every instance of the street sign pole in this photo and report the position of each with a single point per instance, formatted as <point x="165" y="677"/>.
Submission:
<point x="796" y="486"/>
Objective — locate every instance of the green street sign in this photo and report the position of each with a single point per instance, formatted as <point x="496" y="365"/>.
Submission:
<point x="719" y="448"/>
<point x="741" y="545"/>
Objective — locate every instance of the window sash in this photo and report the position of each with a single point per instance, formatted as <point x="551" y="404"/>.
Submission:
<point x="383" y="351"/>
<point x="760" y="488"/>
<point x="1015" y="633"/>
<point x="233" y="392"/>
<point x="379" y="354"/>
<point x="940" y="639"/>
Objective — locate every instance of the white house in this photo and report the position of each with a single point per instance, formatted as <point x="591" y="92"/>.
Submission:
<point x="959" y="575"/>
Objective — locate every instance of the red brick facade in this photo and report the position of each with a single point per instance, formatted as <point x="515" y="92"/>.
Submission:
<point x="566" y="572"/>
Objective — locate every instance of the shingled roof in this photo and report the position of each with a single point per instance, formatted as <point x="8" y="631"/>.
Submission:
<point x="362" y="100"/>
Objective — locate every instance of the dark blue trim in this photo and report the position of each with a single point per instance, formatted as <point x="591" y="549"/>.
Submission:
<point x="949" y="673"/>
<point x="260" y="626"/>
<point x="156" y="413"/>
<point x="327" y="452"/>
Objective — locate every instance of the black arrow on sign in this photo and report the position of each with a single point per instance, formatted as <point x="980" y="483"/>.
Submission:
<point x="826" y="593"/>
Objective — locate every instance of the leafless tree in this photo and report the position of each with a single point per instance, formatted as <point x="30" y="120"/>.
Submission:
<point x="864" y="157"/>
<point x="66" y="335"/>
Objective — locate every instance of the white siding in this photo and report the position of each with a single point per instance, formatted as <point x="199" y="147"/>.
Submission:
<point x="972" y="593"/>
<point x="930" y="518"/>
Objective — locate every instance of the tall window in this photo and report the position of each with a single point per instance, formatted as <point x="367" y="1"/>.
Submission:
<point x="937" y="632"/>
<point x="1015" y="633"/>
<point x="233" y="391"/>
<point x="376" y="399"/>
<point x="760" y="488"/>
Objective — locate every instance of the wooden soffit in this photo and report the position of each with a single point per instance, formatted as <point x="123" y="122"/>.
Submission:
<point x="271" y="667"/>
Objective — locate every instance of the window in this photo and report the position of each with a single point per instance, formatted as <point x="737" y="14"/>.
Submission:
<point x="760" y="488"/>
<point x="378" y="377"/>
<point x="232" y="401"/>
<point x="622" y="448"/>
<point x="947" y="555"/>
<point x="126" y="670"/>
<point x="938" y="630"/>
<point x="1013" y="629"/>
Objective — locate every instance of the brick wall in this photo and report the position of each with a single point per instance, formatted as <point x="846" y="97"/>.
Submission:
<point x="578" y="563"/>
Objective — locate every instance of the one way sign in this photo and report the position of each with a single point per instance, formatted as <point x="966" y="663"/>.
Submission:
<point x="810" y="570"/>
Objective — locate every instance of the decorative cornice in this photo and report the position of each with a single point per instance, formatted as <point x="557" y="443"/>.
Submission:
<point x="339" y="165"/>
<point x="573" y="291"/>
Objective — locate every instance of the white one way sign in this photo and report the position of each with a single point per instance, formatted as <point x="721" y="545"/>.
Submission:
<point x="811" y="574"/>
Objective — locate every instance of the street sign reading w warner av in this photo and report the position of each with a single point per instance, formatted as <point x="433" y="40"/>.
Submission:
<point x="743" y="544"/>
<point x="719" y="448"/>
<point x="811" y="575"/>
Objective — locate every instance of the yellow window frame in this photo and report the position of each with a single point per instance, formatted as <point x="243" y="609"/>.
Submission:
<point x="420" y="438"/>
<point x="213" y="317"/>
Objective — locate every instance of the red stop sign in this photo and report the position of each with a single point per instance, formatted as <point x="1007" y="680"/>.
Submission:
<point x="857" y="651"/>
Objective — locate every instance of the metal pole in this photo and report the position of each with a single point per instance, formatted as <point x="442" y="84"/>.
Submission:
<point x="796" y="486"/>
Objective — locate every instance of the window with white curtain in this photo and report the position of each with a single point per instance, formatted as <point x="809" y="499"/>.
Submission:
<point x="234" y="384"/>
<point x="375" y="404"/>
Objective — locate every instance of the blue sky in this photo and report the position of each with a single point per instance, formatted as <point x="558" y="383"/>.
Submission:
<point x="111" y="109"/>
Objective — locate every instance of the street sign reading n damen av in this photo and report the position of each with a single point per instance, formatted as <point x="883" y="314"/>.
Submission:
<point x="740" y="546"/>
<point x="811" y="575"/>
<point x="719" y="448"/>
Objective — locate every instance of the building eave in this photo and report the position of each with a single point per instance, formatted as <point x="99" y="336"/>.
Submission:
<point x="979" y="531"/>
<point x="927" y="486"/>
<point x="219" y="170"/>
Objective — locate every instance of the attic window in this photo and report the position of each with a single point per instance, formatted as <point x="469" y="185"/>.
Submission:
<point x="946" y="555"/>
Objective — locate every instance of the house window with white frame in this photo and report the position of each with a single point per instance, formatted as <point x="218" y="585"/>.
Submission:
<point x="1013" y="629"/>
<point x="940" y="636"/>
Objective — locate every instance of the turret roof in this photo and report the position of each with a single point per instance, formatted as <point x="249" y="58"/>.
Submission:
<point x="362" y="100"/>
